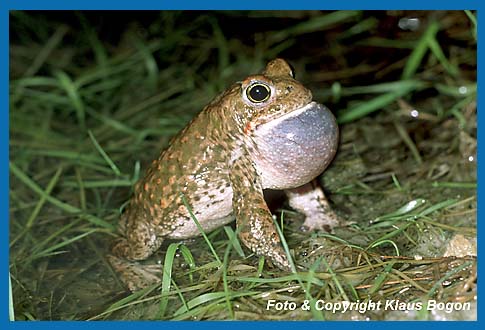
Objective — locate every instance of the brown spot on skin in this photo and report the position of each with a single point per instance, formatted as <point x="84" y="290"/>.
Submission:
<point x="249" y="127"/>
<point x="182" y="209"/>
<point x="192" y="163"/>
<point x="159" y="181"/>
<point x="172" y="180"/>
<point x="146" y="186"/>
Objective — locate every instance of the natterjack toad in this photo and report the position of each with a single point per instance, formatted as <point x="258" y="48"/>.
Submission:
<point x="264" y="132"/>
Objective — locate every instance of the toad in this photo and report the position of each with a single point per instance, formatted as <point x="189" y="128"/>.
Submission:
<point x="264" y="132"/>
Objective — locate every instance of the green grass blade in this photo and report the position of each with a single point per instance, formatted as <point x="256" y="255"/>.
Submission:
<point x="71" y="90"/>
<point x="282" y="279"/>
<point x="208" y="298"/>
<point x="369" y="106"/>
<point x="100" y="183"/>
<point x="167" y="277"/>
<point x="314" y="24"/>
<point x="456" y="185"/>
<point x="46" y="51"/>
<point x="384" y="241"/>
<point x="437" y="206"/>
<point x="63" y="206"/>
<point x="405" y="209"/>
<point x="150" y="63"/>
<point x="11" y="312"/>
<point x="472" y="19"/>
<point x="234" y="241"/>
<point x="38" y="206"/>
<point x="408" y="142"/>
<point x="381" y="278"/>
<point x="336" y="280"/>
<point x="316" y="314"/>
<point x="55" y="247"/>
<point x="104" y="154"/>
<point x="435" y="48"/>
<point x="201" y="230"/>
<point x="419" y="51"/>
<point x="189" y="259"/>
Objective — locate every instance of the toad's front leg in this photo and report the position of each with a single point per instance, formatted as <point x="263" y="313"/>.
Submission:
<point x="253" y="219"/>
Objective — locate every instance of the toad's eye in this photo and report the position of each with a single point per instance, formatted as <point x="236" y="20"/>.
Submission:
<point x="258" y="93"/>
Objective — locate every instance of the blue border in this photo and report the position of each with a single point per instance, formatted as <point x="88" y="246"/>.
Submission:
<point x="246" y="4"/>
<point x="246" y="325"/>
<point x="4" y="154"/>
<point x="6" y="5"/>
<point x="480" y="148"/>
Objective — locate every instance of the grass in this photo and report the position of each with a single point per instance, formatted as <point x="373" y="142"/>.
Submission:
<point x="91" y="104"/>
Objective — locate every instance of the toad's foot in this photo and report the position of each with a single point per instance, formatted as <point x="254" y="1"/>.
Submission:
<point x="128" y="251"/>
<point x="134" y="275"/>
<point x="310" y="201"/>
<point x="273" y="250"/>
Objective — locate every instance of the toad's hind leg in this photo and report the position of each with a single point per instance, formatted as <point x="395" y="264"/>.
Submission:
<point x="138" y="244"/>
<point x="310" y="200"/>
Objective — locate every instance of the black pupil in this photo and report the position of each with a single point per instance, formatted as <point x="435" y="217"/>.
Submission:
<point x="258" y="93"/>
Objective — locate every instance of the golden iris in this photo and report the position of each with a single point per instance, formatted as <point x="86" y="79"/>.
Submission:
<point x="258" y="93"/>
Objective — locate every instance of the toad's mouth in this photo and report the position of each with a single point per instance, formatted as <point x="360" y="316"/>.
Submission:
<point x="270" y="122"/>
